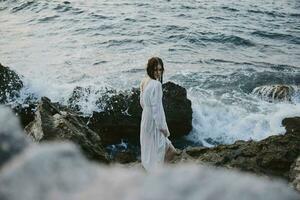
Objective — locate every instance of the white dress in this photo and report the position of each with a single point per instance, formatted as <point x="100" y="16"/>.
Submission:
<point x="153" y="143"/>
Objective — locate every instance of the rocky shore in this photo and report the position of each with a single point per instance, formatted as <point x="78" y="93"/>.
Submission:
<point x="44" y="121"/>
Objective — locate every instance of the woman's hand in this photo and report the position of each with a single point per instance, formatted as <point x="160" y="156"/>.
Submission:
<point x="164" y="132"/>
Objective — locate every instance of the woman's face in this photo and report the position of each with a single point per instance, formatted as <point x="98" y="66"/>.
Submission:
<point x="158" y="72"/>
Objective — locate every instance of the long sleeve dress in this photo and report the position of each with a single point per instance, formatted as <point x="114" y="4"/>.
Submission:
<point x="153" y="143"/>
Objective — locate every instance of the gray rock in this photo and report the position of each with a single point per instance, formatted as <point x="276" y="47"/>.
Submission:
<point x="46" y="171"/>
<point x="52" y="122"/>
<point x="188" y="182"/>
<point x="295" y="174"/>
<point x="12" y="138"/>
<point x="59" y="171"/>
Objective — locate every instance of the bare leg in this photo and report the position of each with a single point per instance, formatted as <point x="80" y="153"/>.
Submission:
<point x="170" y="153"/>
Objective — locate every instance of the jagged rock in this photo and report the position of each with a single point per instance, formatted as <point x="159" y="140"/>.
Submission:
<point x="52" y="122"/>
<point x="12" y="138"/>
<point x="121" y="115"/>
<point x="295" y="174"/>
<point x="275" y="92"/>
<point x="10" y="84"/>
<point x="272" y="156"/>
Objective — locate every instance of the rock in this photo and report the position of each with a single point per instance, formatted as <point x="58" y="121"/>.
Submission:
<point x="186" y="182"/>
<point x="46" y="171"/>
<point x="121" y="115"/>
<point x="10" y="84"/>
<point x="82" y="98"/>
<point x="25" y="112"/>
<point x="52" y="122"/>
<point x="59" y="171"/>
<point x="124" y="157"/>
<point x="272" y="156"/>
<point x="295" y="174"/>
<point x="12" y="138"/>
<point x="178" y="109"/>
<point x="275" y="92"/>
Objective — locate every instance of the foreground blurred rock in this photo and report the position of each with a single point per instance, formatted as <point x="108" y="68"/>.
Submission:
<point x="12" y="138"/>
<point x="121" y="115"/>
<point x="47" y="171"/>
<point x="59" y="171"/>
<point x="295" y="174"/>
<point x="272" y="156"/>
<point x="52" y="122"/>
<point x="275" y="92"/>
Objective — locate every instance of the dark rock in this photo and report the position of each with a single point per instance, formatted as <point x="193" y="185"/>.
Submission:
<point x="178" y="109"/>
<point x="124" y="157"/>
<point x="272" y="156"/>
<point x="78" y="96"/>
<point x="121" y="115"/>
<point x="10" y="84"/>
<point x="12" y="138"/>
<point x="25" y="112"/>
<point x="120" y="118"/>
<point x="52" y="122"/>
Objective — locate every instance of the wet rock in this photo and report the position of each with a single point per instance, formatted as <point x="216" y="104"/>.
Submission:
<point x="121" y="115"/>
<point x="25" y="112"/>
<point x="178" y="109"/>
<point x="81" y="97"/>
<point x="12" y="138"/>
<point x="295" y="174"/>
<point x="52" y="122"/>
<point x="275" y="92"/>
<point x="10" y="84"/>
<point x="272" y="156"/>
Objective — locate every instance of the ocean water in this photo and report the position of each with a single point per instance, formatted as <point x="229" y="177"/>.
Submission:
<point x="218" y="50"/>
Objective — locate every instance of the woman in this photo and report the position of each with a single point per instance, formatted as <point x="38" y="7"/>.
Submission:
<point x="155" y="145"/>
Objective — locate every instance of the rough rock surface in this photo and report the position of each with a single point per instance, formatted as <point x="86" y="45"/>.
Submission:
<point x="272" y="156"/>
<point x="55" y="123"/>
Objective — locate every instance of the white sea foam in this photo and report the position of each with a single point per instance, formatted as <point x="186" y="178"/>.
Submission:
<point x="214" y="121"/>
<point x="95" y="44"/>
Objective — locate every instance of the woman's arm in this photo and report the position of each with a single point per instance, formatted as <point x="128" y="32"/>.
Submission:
<point x="158" y="110"/>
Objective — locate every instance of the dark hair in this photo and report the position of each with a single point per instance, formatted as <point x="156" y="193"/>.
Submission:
<point x="152" y="66"/>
